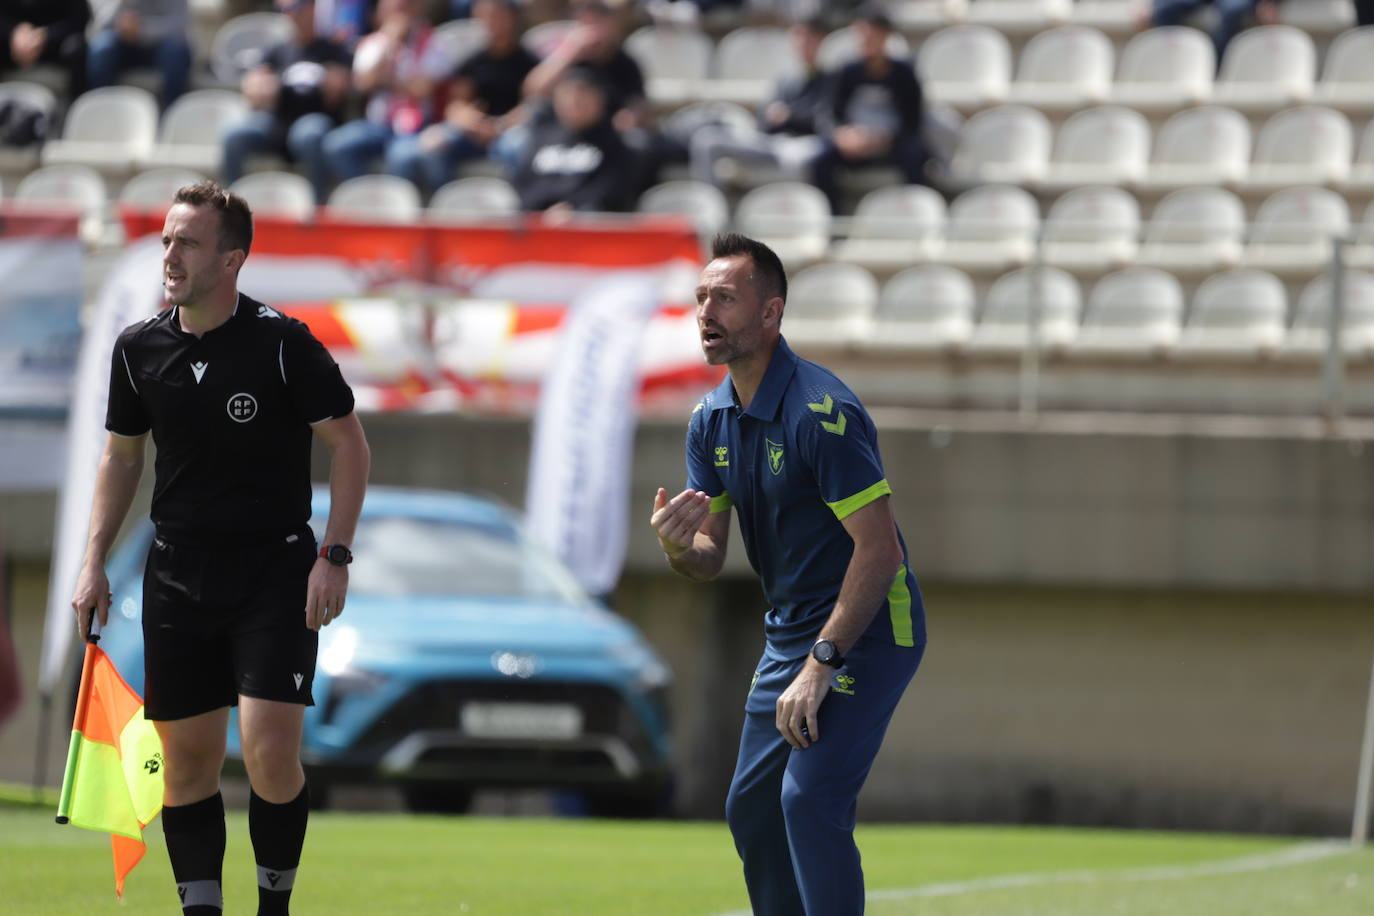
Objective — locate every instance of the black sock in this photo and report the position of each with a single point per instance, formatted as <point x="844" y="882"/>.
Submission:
<point x="195" y="844"/>
<point x="278" y="833"/>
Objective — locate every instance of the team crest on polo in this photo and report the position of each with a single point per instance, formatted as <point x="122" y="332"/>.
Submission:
<point x="242" y="407"/>
<point x="774" y="456"/>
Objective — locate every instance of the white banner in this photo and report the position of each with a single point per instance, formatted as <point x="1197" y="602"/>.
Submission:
<point x="577" y="501"/>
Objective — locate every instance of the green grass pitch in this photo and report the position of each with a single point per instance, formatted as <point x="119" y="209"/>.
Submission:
<point x="379" y="864"/>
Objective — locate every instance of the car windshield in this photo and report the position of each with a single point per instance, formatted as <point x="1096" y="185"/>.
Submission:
<point x="394" y="555"/>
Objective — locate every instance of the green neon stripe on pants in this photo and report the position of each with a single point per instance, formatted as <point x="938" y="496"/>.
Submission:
<point x="899" y="607"/>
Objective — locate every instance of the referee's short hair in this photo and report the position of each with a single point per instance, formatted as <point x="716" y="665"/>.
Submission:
<point x="770" y="278"/>
<point x="235" y="219"/>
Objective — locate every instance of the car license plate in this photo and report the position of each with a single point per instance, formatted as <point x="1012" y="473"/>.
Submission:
<point x="520" y="720"/>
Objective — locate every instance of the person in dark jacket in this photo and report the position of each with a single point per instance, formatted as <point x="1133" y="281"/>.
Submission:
<point x="142" y="33"/>
<point x="46" y="31"/>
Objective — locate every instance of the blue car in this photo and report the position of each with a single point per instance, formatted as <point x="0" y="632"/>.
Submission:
<point x="466" y="657"/>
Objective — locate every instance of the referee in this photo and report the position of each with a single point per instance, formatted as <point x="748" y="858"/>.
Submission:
<point x="234" y="591"/>
<point x="784" y="441"/>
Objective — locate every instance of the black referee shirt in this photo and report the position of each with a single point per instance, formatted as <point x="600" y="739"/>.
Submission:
<point x="230" y="413"/>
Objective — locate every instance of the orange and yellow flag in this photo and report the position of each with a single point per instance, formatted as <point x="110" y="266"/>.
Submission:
<point x="113" y="781"/>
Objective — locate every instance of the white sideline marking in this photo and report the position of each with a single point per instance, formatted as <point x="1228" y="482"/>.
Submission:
<point x="1291" y="855"/>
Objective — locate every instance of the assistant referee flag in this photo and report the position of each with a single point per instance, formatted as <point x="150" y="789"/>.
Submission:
<point x="114" y="765"/>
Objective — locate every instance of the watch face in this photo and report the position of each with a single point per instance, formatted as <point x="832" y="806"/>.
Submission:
<point x="338" y="554"/>
<point x="824" y="651"/>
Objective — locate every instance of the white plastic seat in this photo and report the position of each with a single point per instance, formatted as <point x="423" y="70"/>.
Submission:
<point x="544" y="37"/>
<point x="1195" y="230"/>
<point x="829" y="305"/>
<point x="239" y="44"/>
<point x="1009" y="144"/>
<point x="463" y="37"/>
<point x="376" y="198"/>
<point x="1092" y="229"/>
<point x="1266" y="68"/>
<point x="1237" y="313"/>
<point x="703" y="203"/>
<point x="1200" y="146"/>
<point x="1020" y="16"/>
<point x="894" y="227"/>
<point x="1310" y="329"/>
<point x="1136" y="311"/>
<point x="1005" y="325"/>
<point x="689" y="119"/>
<point x="1115" y="17"/>
<point x="1165" y="68"/>
<point x="1064" y="69"/>
<point x="110" y="129"/>
<point x="965" y="66"/>
<point x="790" y="217"/>
<point x="923" y="308"/>
<point x="674" y="60"/>
<point x="66" y="189"/>
<point x="1361" y="177"/>
<point x="284" y="195"/>
<point x="1106" y="145"/>
<point x="1304" y="145"/>
<point x="991" y="228"/>
<point x="31" y="95"/>
<point x="748" y="64"/>
<point x="157" y="187"/>
<point x="190" y="135"/>
<point x="841" y="47"/>
<point x="1318" y="16"/>
<point x="1347" y="79"/>
<point x="1294" y="228"/>
<point x="476" y="198"/>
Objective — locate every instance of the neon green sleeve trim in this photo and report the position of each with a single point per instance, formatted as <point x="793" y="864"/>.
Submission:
<point x="721" y="503"/>
<point x="851" y="504"/>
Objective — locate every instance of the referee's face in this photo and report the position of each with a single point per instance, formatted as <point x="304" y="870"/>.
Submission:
<point x="193" y="266"/>
<point x="730" y="311"/>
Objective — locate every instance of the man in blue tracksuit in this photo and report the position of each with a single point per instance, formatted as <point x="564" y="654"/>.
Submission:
<point x="787" y="444"/>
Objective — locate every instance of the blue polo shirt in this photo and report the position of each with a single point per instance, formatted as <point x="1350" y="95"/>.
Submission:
<point x="795" y="463"/>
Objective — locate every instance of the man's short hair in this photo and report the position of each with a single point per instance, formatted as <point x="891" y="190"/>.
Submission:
<point x="875" y="14"/>
<point x="235" y="219"/>
<point x="770" y="278"/>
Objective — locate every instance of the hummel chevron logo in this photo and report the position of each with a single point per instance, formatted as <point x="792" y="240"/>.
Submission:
<point x="198" y="370"/>
<point x="299" y="678"/>
<point x="825" y="407"/>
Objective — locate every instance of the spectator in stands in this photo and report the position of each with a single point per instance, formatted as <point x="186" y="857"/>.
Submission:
<point x="1232" y="16"/>
<point x="484" y="102"/>
<point x="576" y="159"/>
<point x="45" y="31"/>
<point x="403" y="72"/>
<point x="787" y="134"/>
<point x="877" y="109"/>
<point x="295" y="96"/>
<point x="142" y="33"/>
<point x="344" y="21"/>
<point x="595" y="45"/>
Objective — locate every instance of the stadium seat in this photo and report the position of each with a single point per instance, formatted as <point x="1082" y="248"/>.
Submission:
<point x="1318" y="16"/>
<point x="748" y="64"/>
<point x="1136" y="311"/>
<point x="544" y="37"/>
<point x="1194" y="230"/>
<point x="1064" y="69"/>
<point x="1304" y="145"/>
<point x="687" y="120"/>
<point x="703" y="203"/>
<point x="1294" y="228"/>
<point x="476" y="198"/>
<point x="923" y="308"/>
<point x="830" y="304"/>
<point x="1361" y="254"/>
<point x="1009" y="144"/>
<point x="1164" y="69"/>
<point x="283" y="195"/>
<point x="925" y="15"/>
<point x="1237" y="313"/>
<point x="1005" y="326"/>
<point x="191" y="129"/>
<point x="991" y="229"/>
<point x="239" y="44"/>
<point x="1361" y="177"/>
<point x="842" y="46"/>
<point x="674" y="59"/>
<point x="376" y="198"/>
<point x="464" y="37"/>
<point x="38" y="97"/>
<point x="1311" y="325"/>
<point x="1201" y="146"/>
<point x="1347" y="79"/>
<point x="1020" y="16"/>
<point x="1106" y="145"/>
<point x="155" y="188"/>
<point x="1092" y="230"/>
<point x="965" y="66"/>
<point x="893" y="227"/>
<point x="790" y="217"/>
<point x="1266" y="68"/>
<point x="66" y="188"/>
<point x="110" y="129"/>
<point x="1115" y="17"/>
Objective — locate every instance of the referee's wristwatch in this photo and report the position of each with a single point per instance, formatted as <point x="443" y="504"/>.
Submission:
<point x="338" y="554"/>
<point x="825" y="652"/>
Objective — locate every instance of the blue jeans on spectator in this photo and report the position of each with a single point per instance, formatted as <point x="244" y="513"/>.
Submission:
<point x="908" y="153"/>
<point x="350" y="149"/>
<point x="261" y="132"/>
<point x="1231" y="17"/>
<point x="430" y="170"/>
<point x="109" y="55"/>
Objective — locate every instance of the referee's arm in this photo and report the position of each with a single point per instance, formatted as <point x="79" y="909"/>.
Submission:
<point x="350" y="460"/>
<point x="116" y="482"/>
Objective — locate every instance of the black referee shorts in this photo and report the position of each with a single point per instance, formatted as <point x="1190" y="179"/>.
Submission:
<point x="223" y="622"/>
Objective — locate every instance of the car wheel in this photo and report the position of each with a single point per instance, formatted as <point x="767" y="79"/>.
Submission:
<point x="438" y="798"/>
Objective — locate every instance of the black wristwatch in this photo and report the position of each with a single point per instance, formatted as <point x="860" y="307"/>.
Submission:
<point x="338" y="554"/>
<point x="824" y="651"/>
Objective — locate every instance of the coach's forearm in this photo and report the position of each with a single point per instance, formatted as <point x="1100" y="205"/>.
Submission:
<point x="866" y="584"/>
<point x="701" y="562"/>
<point x="348" y="469"/>
<point x="116" y="482"/>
